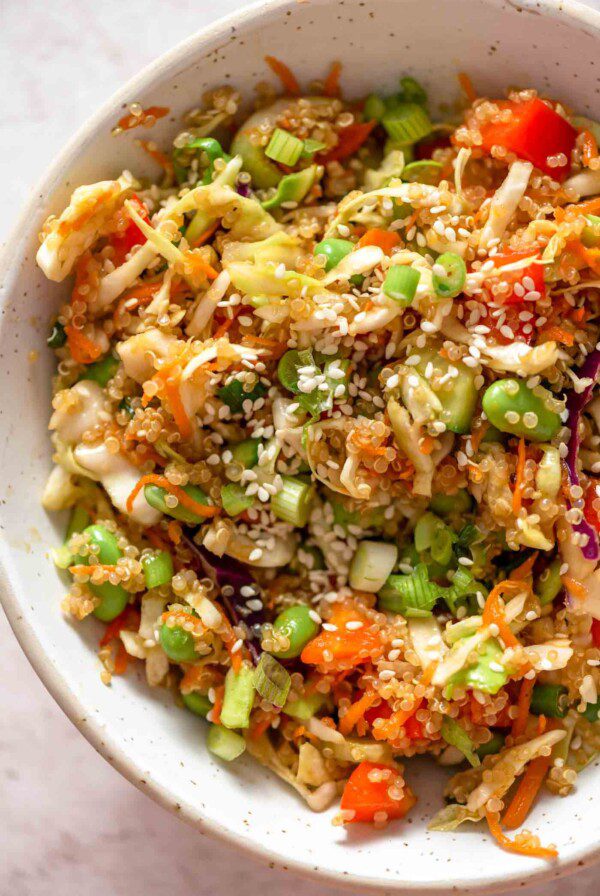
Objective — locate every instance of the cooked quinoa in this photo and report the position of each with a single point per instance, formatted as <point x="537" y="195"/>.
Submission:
<point x="325" y="418"/>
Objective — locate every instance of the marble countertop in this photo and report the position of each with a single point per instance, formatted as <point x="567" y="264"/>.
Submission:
<point x="70" y="823"/>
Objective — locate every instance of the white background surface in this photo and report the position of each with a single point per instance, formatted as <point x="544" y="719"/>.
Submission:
<point x="70" y="824"/>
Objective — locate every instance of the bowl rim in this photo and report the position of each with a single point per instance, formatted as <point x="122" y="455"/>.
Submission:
<point x="579" y="15"/>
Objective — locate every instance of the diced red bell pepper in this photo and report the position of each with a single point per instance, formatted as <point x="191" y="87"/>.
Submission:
<point x="366" y="798"/>
<point x="128" y="619"/>
<point x="535" y="132"/>
<point x="596" y="632"/>
<point x="592" y="496"/>
<point x="526" y="280"/>
<point x="383" y="711"/>
<point x="413" y="728"/>
<point x="426" y="148"/>
<point x="131" y="236"/>
<point x="350" y="140"/>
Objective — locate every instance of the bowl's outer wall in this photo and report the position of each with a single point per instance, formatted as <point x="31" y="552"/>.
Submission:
<point x="155" y="744"/>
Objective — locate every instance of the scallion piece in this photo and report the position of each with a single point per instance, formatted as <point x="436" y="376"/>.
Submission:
<point x="551" y="700"/>
<point x="305" y="707"/>
<point x="401" y="283"/>
<point x="592" y="712"/>
<point x="311" y="147"/>
<point x="101" y="371"/>
<point x="450" y="282"/>
<point x="156" y="496"/>
<point x="455" y="735"/>
<point x="411" y="595"/>
<point x="492" y="746"/>
<point x="590" y="235"/>
<point x="225" y="744"/>
<point x="80" y="519"/>
<point x="272" y="680"/>
<point x="158" y="569"/>
<point x="289" y="364"/>
<point x="412" y="91"/>
<point x="374" y="108"/>
<point x="549" y="585"/>
<point x="57" y="336"/>
<point x="234" y="395"/>
<point x="371" y="565"/>
<point x="197" y="703"/>
<point x="234" y="499"/>
<point x="292" y="502"/>
<point x="284" y="148"/>
<point x="238" y="698"/>
<point x="425" y="171"/>
<point x="246" y="453"/>
<point x="407" y="123"/>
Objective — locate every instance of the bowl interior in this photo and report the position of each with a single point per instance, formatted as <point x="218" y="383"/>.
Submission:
<point x="155" y="744"/>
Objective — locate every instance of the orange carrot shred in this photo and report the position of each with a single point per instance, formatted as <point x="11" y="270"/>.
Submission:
<point x="183" y="498"/>
<point x="575" y="587"/>
<point x="467" y="86"/>
<point x="540" y="852"/>
<point x="356" y="711"/>
<point x="206" y="235"/>
<point x="524" y="570"/>
<point x="493" y="612"/>
<point x="526" y="792"/>
<point x="331" y="86"/>
<point x="523" y="704"/>
<point x="287" y="78"/>
<point x="519" y="478"/>
<point x="82" y="349"/>
<point x="385" y="239"/>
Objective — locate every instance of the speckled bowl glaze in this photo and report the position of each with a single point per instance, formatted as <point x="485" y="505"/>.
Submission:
<point x="551" y="45"/>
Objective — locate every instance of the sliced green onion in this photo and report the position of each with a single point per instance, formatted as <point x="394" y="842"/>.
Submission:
<point x="407" y="123"/>
<point x="294" y="187"/>
<point x="374" y="108"/>
<point x="292" y="502"/>
<point x="371" y="565"/>
<point x="155" y="495"/>
<point x="272" y="680"/>
<point x="549" y="585"/>
<point x="225" y="744"/>
<point x="401" y="283"/>
<point x="592" y="712"/>
<point x="460" y="502"/>
<point x="80" y="519"/>
<point x="246" y="453"/>
<point x="455" y="735"/>
<point x="284" y="148"/>
<point x="551" y="700"/>
<point x="57" y="336"/>
<point x="289" y="364"/>
<point x="412" y="595"/>
<point x="158" y="569"/>
<point x="492" y="746"/>
<point x="234" y="395"/>
<point x="412" y="91"/>
<point x="305" y="707"/>
<point x="425" y="529"/>
<point x="197" y="703"/>
<point x="238" y="698"/>
<point x="311" y="147"/>
<point x="425" y="171"/>
<point x="101" y="371"/>
<point x="451" y="282"/>
<point x="234" y="499"/>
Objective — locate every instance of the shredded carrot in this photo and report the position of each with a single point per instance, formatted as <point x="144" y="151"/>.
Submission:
<point x="331" y="85"/>
<point x="173" y="396"/>
<point x="590" y="147"/>
<point x="519" y="478"/>
<point x="542" y="724"/>
<point x="493" y="612"/>
<point x="524" y="570"/>
<point x="427" y="445"/>
<point x="261" y="722"/>
<point x="217" y="705"/>
<point x="81" y="569"/>
<point x="224" y="327"/>
<point x="128" y="619"/>
<point x="467" y="86"/>
<point x="526" y="792"/>
<point x="387" y="729"/>
<point x="183" y="498"/>
<point x="196" y="263"/>
<point x="539" y="852"/>
<point x="385" y="239"/>
<point x="206" y="235"/>
<point x="121" y="660"/>
<point x="130" y="303"/>
<point x="141" y="118"/>
<point x="83" y="350"/>
<point x="357" y="711"/>
<point x="569" y="212"/>
<point x="478" y="434"/>
<point x="575" y="587"/>
<point x="523" y="703"/>
<point x="159" y="157"/>
<point x="156" y="539"/>
<point x="287" y="78"/>
<point x="174" y="532"/>
<point x="558" y="334"/>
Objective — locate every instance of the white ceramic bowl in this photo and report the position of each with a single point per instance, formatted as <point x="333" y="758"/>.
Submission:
<point x="551" y="45"/>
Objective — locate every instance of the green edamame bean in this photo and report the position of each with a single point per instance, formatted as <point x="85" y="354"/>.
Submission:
<point x="197" y="703"/>
<point x="512" y="407"/>
<point x="155" y="496"/>
<point x="334" y="251"/>
<point x="178" y="644"/>
<point x="493" y="746"/>
<point x="549" y="584"/>
<point x="113" y="598"/>
<point x="296" y="624"/>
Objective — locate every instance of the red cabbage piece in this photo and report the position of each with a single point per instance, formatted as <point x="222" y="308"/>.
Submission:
<point x="576" y="404"/>
<point x="243" y="189"/>
<point x="231" y="577"/>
